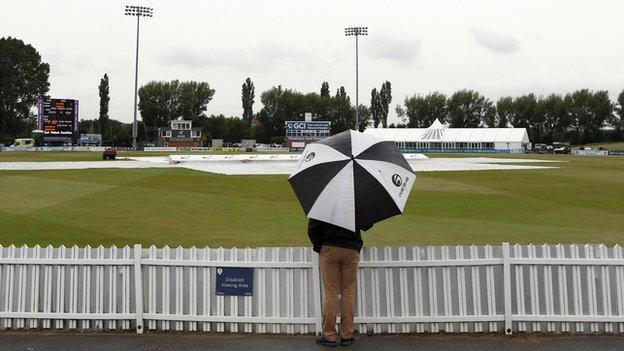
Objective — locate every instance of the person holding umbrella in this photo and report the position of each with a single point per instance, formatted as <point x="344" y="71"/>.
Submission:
<point x="346" y="183"/>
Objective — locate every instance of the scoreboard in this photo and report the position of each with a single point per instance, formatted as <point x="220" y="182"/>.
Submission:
<point x="57" y="118"/>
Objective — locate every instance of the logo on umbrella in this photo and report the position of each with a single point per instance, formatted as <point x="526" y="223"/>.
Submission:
<point x="310" y="156"/>
<point x="219" y="271"/>
<point x="396" y="179"/>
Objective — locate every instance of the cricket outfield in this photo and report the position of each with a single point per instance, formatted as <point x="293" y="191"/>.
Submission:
<point x="581" y="201"/>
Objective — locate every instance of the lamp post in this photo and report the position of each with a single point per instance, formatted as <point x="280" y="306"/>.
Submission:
<point x="138" y="11"/>
<point x="356" y="31"/>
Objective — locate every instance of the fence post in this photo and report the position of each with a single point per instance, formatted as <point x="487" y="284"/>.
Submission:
<point x="316" y="287"/>
<point x="507" y="287"/>
<point x="138" y="288"/>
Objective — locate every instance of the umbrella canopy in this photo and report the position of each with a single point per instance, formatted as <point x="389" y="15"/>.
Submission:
<point x="352" y="180"/>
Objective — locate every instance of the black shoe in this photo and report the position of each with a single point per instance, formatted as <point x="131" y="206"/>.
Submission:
<point x="347" y="342"/>
<point x="321" y="340"/>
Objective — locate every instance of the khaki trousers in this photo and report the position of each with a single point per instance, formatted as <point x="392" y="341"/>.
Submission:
<point x="339" y="273"/>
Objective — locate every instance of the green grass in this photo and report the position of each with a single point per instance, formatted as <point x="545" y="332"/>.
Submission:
<point x="581" y="202"/>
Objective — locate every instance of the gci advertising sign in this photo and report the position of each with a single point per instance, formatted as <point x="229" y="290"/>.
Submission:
<point x="301" y="125"/>
<point x="234" y="281"/>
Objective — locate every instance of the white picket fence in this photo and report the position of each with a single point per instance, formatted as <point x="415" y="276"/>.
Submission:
<point x="562" y="288"/>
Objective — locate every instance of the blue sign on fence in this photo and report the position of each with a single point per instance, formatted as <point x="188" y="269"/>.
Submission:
<point x="233" y="281"/>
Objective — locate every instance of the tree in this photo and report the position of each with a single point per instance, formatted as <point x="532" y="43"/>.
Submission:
<point x="247" y="96"/>
<point x="321" y="105"/>
<point x="578" y="104"/>
<point x="364" y="114"/>
<point x="230" y="129"/>
<point x="422" y="111"/>
<point x="385" y="98"/>
<point x="342" y="93"/>
<point x="524" y="108"/>
<point x="504" y="111"/>
<point x="527" y="114"/>
<point x="23" y="80"/>
<point x="316" y="104"/>
<point x="104" y="102"/>
<point x="120" y="133"/>
<point x="281" y="105"/>
<point x="159" y="103"/>
<point x="401" y="113"/>
<point x="162" y="102"/>
<point x="415" y="111"/>
<point x="264" y="130"/>
<point x="466" y="109"/>
<point x="601" y="109"/>
<point x="616" y="120"/>
<point x="89" y="126"/>
<point x="238" y="130"/>
<point x="194" y="98"/>
<point x="272" y="116"/>
<point x="341" y="113"/>
<point x="556" y="117"/>
<point x="490" y="118"/>
<point x="376" y="108"/>
<point x="589" y="112"/>
<point x="325" y="90"/>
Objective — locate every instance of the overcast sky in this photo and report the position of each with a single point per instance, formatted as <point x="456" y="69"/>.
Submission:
<point x="496" y="47"/>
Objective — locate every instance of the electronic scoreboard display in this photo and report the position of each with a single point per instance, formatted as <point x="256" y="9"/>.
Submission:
<point x="58" y="118"/>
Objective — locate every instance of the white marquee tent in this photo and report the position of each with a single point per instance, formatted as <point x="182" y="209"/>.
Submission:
<point x="440" y="138"/>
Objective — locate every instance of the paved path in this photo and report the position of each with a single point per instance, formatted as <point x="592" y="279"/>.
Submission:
<point x="28" y="341"/>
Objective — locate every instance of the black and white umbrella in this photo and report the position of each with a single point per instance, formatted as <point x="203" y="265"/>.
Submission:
<point x="352" y="180"/>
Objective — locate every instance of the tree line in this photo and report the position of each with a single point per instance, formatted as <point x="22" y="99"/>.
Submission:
<point x="582" y="116"/>
<point x="23" y="79"/>
<point x="162" y="102"/>
<point x="282" y="104"/>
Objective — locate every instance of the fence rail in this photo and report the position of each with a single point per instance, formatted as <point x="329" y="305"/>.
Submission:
<point x="560" y="288"/>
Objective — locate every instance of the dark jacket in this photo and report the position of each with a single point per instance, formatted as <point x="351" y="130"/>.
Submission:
<point x="322" y="233"/>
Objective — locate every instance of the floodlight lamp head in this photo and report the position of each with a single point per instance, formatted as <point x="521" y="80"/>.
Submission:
<point x="139" y="11"/>
<point x="355" y="31"/>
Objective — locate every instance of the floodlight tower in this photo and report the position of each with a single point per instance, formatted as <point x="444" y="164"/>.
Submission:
<point x="356" y="32"/>
<point x="138" y="11"/>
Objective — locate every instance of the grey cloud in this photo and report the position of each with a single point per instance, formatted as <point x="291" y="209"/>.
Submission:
<point x="262" y="55"/>
<point x="498" y="42"/>
<point x="402" y="50"/>
<point x="65" y="64"/>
